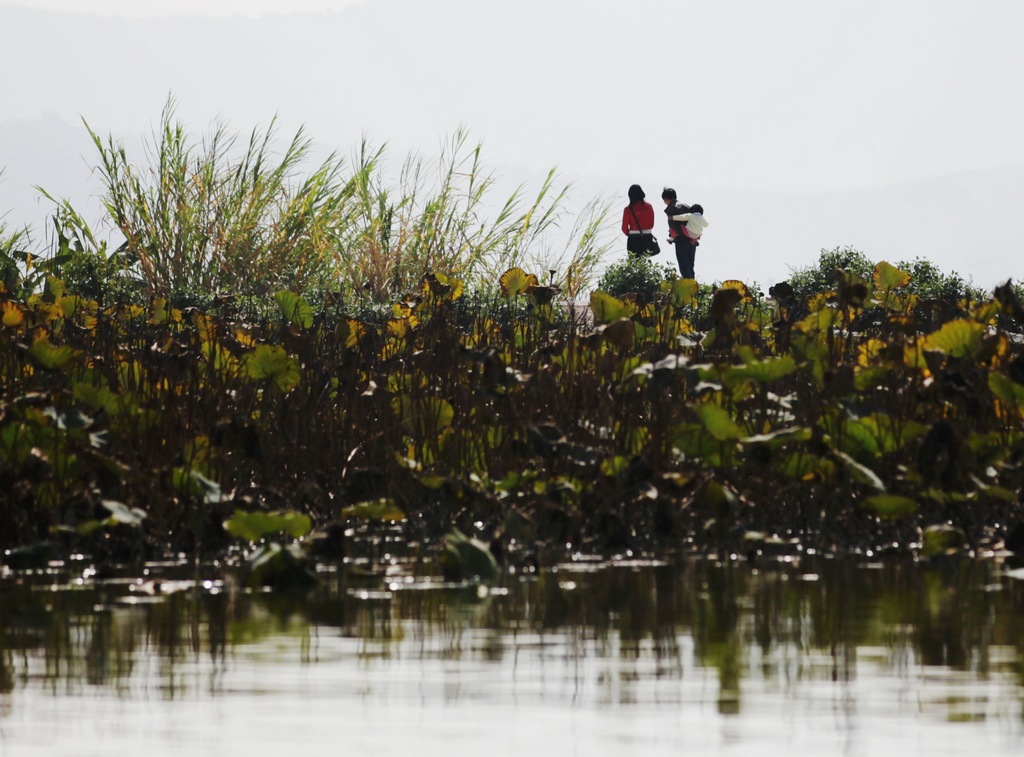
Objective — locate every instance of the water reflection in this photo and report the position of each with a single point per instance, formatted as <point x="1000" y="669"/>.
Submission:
<point x="799" y="658"/>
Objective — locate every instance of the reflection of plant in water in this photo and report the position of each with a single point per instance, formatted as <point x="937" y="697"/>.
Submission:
<point x="782" y="623"/>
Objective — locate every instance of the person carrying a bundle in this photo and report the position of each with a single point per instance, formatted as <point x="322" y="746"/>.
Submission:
<point x="685" y="249"/>
<point x="694" y="223"/>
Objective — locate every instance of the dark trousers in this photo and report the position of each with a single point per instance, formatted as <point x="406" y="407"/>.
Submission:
<point x="685" y="253"/>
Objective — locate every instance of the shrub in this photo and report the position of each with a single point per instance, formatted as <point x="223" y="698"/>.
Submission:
<point x="640" y="276"/>
<point x="822" y="277"/>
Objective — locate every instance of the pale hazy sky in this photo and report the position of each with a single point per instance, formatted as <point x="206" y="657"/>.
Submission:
<point x="168" y="8"/>
<point x="713" y="97"/>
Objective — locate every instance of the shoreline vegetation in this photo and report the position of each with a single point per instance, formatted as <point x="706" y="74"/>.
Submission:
<point x="271" y="366"/>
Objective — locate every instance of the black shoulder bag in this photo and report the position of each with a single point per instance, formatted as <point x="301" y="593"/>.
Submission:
<point x="643" y="243"/>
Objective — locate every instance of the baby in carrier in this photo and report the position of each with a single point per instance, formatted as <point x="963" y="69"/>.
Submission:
<point x="694" y="224"/>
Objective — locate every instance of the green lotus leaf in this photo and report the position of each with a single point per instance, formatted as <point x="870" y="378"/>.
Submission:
<point x="683" y="292"/>
<point x="889" y="505"/>
<point x="887" y="276"/>
<point x="807" y="467"/>
<point x="192" y="483"/>
<point x="253" y="526"/>
<point x="432" y="414"/>
<point x="941" y="539"/>
<point x="270" y="361"/>
<point x="295" y="309"/>
<point x="466" y="558"/>
<point x="860" y="472"/>
<point x="718" y="422"/>
<point x="770" y="369"/>
<point x="383" y="509"/>
<point x="868" y="378"/>
<point x="779" y="437"/>
<point x="607" y="308"/>
<point x="432" y="481"/>
<point x="50" y="356"/>
<point x="959" y="338"/>
<point x="1006" y="388"/>
<point x="693" y="441"/>
<point x="613" y="466"/>
<point x="121" y="514"/>
<point x="279" y="567"/>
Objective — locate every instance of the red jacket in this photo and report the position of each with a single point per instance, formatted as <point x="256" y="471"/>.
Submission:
<point x="644" y="213"/>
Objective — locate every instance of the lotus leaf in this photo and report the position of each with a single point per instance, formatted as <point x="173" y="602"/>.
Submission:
<point x="960" y="338"/>
<point x="256" y="525"/>
<point x="804" y="466"/>
<point x="769" y="369"/>
<point x="779" y="437"/>
<point x="121" y="514"/>
<point x="607" y="308"/>
<point x="613" y="466"/>
<point x="889" y="505"/>
<point x="620" y="333"/>
<point x="294" y="308"/>
<point x="465" y="558"/>
<point x="865" y="379"/>
<point x="1006" y="389"/>
<point x="192" y="483"/>
<point x="279" y="567"/>
<point x="383" y="509"/>
<point x="888" y="276"/>
<point x="13" y="314"/>
<point x="159" y="313"/>
<point x="739" y="287"/>
<point x="270" y="361"/>
<point x="398" y="328"/>
<point x="440" y="286"/>
<point x="861" y="473"/>
<point x="49" y="356"/>
<point x="515" y="281"/>
<point x="718" y="422"/>
<point x="942" y="539"/>
<point x="683" y="292"/>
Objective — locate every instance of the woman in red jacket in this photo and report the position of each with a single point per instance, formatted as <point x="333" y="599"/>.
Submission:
<point x="637" y="222"/>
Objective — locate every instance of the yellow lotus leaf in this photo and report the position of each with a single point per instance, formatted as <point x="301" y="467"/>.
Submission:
<point x="620" y="333"/>
<point x="740" y="287"/>
<point x="869" y="350"/>
<point x="682" y="291"/>
<point x="887" y="276"/>
<point x="516" y="281"/>
<point x="607" y="308"/>
<point x="398" y="327"/>
<point x="13" y="314"/>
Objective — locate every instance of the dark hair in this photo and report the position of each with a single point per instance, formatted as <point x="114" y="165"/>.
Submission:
<point x="668" y="194"/>
<point x="636" y="193"/>
<point x="696" y="208"/>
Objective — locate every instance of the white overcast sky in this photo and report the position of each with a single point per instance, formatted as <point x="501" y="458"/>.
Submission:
<point x="715" y="97"/>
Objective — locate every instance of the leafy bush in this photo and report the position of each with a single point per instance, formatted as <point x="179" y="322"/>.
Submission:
<point x="929" y="283"/>
<point x="85" y="265"/>
<point x="823" y="277"/>
<point x="637" y="275"/>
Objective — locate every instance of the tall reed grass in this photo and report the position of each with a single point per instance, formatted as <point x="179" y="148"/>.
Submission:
<point x="221" y="214"/>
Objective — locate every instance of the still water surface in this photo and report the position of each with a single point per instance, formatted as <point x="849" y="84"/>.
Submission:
<point x="843" y="657"/>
